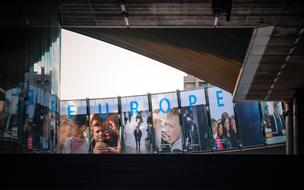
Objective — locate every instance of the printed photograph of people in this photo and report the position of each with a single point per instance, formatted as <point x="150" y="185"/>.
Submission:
<point x="273" y="122"/>
<point x="196" y="131"/>
<point x="11" y="110"/>
<point x="2" y="102"/>
<point x="105" y="138"/>
<point x="137" y="132"/>
<point x="223" y="123"/>
<point x="167" y="131"/>
<point x="196" y="128"/>
<point x="72" y="137"/>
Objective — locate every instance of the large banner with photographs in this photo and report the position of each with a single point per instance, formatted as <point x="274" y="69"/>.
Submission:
<point x="223" y="123"/>
<point x="73" y="132"/>
<point x="2" y="111"/>
<point x="166" y="123"/>
<point x="195" y="121"/>
<point x="105" y="129"/>
<point x="137" y="125"/>
<point x="273" y="122"/>
<point x="249" y="123"/>
<point x="11" y="112"/>
<point x="36" y="123"/>
<point x="53" y="109"/>
<point x="43" y="99"/>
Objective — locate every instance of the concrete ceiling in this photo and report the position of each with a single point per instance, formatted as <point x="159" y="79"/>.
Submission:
<point x="157" y="13"/>
<point x="274" y="66"/>
<point x="271" y="69"/>
<point x="256" y="79"/>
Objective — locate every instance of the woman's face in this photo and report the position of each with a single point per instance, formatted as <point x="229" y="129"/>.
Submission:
<point x="226" y="124"/>
<point x="75" y="130"/>
<point x="220" y="129"/>
<point x="233" y="124"/>
<point x="214" y="127"/>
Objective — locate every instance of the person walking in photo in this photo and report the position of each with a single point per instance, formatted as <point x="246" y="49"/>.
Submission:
<point x="137" y="135"/>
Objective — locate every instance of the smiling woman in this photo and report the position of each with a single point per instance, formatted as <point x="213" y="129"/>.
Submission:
<point x="104" y="70"/>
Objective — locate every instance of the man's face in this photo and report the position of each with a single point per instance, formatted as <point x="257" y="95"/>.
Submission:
<point x="98" y="131"/>
<point x="267" y="109"/>
<point x="173" y="130"/>
<point x="98" y="135"/>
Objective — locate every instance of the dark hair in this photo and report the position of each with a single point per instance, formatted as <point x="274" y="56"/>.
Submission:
<point x="80" y="120"/>
<point x="224" y="117"/>
<point x="96" y="117"/>
<point x="212" y="121"/>
<point x="2" y="96"/>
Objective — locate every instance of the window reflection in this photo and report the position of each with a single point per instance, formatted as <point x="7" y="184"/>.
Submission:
<point x="29" y="96"/>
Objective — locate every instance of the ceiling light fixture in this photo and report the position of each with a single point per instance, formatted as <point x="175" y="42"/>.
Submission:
<point x="220" y="7"/>
<point x="124" y="12"/>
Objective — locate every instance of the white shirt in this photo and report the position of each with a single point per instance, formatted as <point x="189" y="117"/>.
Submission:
<point x="177" y="145"/>
<point x="68" y="149"/>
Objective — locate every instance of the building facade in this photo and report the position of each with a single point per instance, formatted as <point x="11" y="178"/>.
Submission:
<point x="191" y="83"/>
<point x="30" y="74"/>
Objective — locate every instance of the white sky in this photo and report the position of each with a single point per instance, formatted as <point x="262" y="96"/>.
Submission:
<point x="95" y="69"/>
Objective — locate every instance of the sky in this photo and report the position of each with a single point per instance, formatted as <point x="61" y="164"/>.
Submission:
<point x="94" y="69"/>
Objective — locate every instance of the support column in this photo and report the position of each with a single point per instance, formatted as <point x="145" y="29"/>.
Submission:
<point x="298" y="122"/>
<point x="289" y="127"/>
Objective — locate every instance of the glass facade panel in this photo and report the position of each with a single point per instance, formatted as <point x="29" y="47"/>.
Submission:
<point x="30" y="78"/>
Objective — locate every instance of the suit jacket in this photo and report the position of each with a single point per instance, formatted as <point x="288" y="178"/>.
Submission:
<point x="137" y="135"/>
<point x="278" y="124"/>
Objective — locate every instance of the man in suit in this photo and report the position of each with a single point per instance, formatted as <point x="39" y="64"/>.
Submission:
<point x="278" y="118"/>
<point x="137" y="135"/>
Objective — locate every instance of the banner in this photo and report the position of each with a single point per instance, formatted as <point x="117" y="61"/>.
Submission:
<point x="73" y="132"/>
<point x="137" y="125"/>
<point x="166" y="123"/>
<point x="195" y="121"/>
<point x="32" y="97"/>
<point x="53" y="114"/>
<point x="104" y="123"/>
<point x="222" y="119"/>
<point x="250" y="123"/>
<point x="273" y="122"/>
<point x="11" y="112"/>
<point x="2" y="111"/>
